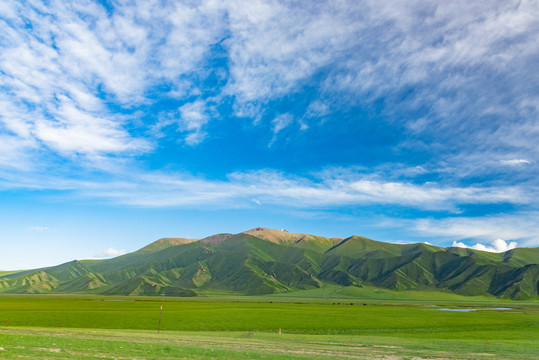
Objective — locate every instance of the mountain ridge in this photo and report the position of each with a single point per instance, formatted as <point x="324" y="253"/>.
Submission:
<point x="267" y="261"/>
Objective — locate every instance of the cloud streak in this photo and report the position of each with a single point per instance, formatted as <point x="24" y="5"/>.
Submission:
<point x="38" y="229"/>
<point x="110" y="252"/>
<point x="519" y="226"/>
<point x="273" y="188"/>
<point x="515" y="162"/>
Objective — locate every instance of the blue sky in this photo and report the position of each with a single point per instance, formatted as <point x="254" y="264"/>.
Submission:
<point x="125" y="121"/>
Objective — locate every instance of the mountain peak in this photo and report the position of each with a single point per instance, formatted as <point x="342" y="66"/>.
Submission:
<point x="255" y="230"/>
<point x="164" y="243"/>
<point x="217" y="239"/>
<point x="274" y="235"/>
<point x="285" y="237"/>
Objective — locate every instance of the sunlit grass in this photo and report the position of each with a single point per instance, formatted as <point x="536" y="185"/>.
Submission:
<point x="235" y="328"/>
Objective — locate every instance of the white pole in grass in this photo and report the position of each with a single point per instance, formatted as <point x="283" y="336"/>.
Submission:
<point x="161" y="311"/>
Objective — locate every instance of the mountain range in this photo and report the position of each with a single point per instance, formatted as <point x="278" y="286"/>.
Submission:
<point x="263" y="261"/>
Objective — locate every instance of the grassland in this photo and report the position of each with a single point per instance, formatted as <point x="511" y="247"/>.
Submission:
<point x="40" y="343"/>
<point x="125" y="327"/>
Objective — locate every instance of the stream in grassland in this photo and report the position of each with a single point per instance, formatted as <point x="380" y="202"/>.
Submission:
<point x="471" y="309"/>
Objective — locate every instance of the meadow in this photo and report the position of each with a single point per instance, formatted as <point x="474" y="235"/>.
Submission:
<point x="270" y="327"/>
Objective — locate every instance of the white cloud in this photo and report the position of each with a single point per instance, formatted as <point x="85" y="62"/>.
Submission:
<point x="110" y="252"/>
<point x="193" y="117"/>
<point x="280" y="122"/>
<point x="359" y="50"/>
<point x="76" y="131"/>
<point x="127" y="185"/>
<point x="60" y="77"/>
<point x="52" y="77"/>
<point x="519" y="226"/>
<point x="192" y="29"/>
<point x="515" y="162"/>
<point x="14" y="152"/>
<point x="269" y="187"/>
<point x="317" y="109"/>
<point x="377" y="48"/>
<point x="430" y="194"/>
<point x="497" y="246"/>
<point x="38" y="229"/>
<point x="274" y="45"/>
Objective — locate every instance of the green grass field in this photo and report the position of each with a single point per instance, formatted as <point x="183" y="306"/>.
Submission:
<point x="121" y="327"/>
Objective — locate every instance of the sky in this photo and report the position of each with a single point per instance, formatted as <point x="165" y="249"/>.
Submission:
<point x="122" y="122"/>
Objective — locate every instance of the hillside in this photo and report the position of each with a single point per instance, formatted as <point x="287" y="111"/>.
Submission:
<point x="264" y="261"/>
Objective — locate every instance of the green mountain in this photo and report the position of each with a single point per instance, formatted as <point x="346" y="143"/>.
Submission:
<point x="264" y="261"/>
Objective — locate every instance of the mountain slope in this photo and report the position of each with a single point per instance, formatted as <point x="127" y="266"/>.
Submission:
<point x="264" y="261"/>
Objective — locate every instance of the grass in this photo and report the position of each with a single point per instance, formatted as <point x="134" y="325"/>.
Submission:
<point x="4" y="273"/>
<point x="124" y="327"/>
<point x="32" y="343"/>
<point x="331" y="291"/>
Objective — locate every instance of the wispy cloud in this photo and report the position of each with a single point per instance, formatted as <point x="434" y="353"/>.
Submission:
<point x="38" y="229"/>
<point x="521" y="227"/>
<point x="279" y="123"/>
<point x="110" y="252"/>
<point x="515" y="162"/>
<point x="52" y="75"/>
<point x="270" y="187"/>
<point x="62" y="71"/>
<point x="350" y="51"/>
<point x="193" y="118"/>
<point x="76" y="131"/>
<point x="274" y="46"/>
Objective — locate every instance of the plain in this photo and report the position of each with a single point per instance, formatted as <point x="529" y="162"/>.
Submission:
<point x="55" y="326"/>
